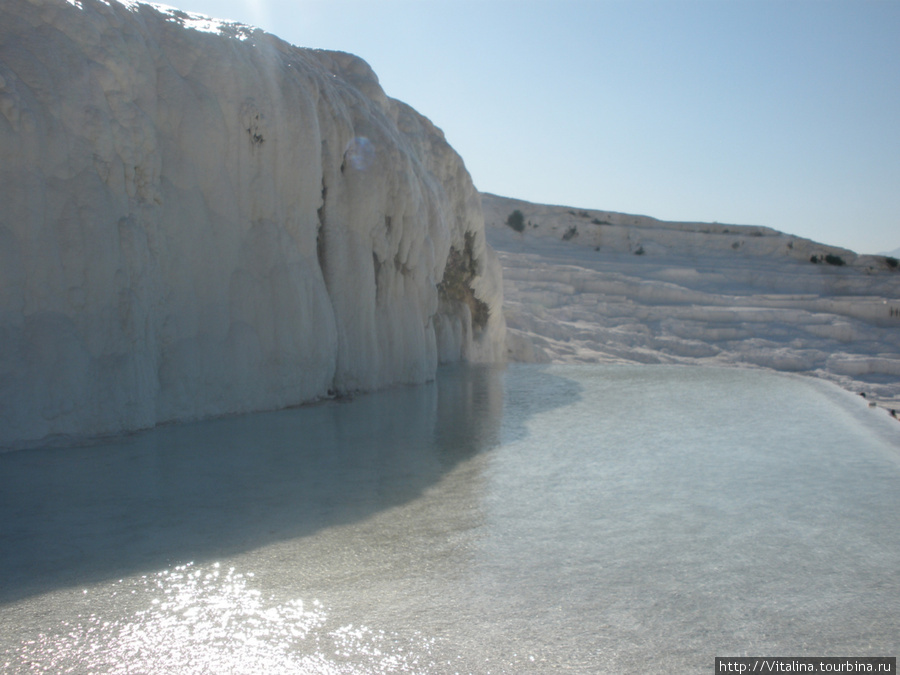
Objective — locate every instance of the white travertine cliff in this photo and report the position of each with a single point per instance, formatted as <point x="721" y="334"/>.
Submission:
<point x="197" y="218"/>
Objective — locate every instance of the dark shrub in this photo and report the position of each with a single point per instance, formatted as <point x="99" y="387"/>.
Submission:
<point x="834" y="260"/>
<point x="516" y="221"/>
<point x="891" y="262"/>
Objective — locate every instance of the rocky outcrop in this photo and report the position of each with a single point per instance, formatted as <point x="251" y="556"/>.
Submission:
<point x="199" y="219"/>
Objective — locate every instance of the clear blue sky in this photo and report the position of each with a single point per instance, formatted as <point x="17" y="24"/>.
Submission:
<point x="780" y="113"/>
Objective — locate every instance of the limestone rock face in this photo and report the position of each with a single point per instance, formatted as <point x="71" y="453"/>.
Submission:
<point x="197" y="218"/>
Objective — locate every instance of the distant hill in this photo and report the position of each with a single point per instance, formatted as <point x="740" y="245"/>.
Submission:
<point x="591" y="286"/>
<point x="894" y="254"/>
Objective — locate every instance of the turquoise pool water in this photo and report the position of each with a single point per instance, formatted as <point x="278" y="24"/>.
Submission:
<point x="583" y="519"/>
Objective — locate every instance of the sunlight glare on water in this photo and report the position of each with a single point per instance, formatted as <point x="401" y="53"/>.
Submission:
<point x="539" y="518"/>
<point x="207" y="619"/>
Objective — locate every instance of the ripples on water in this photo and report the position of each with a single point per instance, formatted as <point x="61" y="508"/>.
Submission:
<point x="207" y="619"/>
<point x="592" y="519"/>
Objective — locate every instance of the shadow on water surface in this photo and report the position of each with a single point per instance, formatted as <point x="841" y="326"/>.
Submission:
<point x="205" y="490"/>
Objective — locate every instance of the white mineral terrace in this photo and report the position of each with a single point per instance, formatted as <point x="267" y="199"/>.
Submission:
<point x="594" y="286"/>
<point x="199" y="219"/>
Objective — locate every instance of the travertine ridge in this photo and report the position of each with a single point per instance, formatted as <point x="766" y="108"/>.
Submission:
<point x="200" y="219"/>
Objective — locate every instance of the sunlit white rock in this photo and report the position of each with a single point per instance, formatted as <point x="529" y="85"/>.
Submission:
<point x="597" y="286"/>
<point x="198" y="219"/>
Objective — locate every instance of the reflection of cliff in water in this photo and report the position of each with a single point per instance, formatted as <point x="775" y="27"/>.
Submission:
<point x="205" y="490"/>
